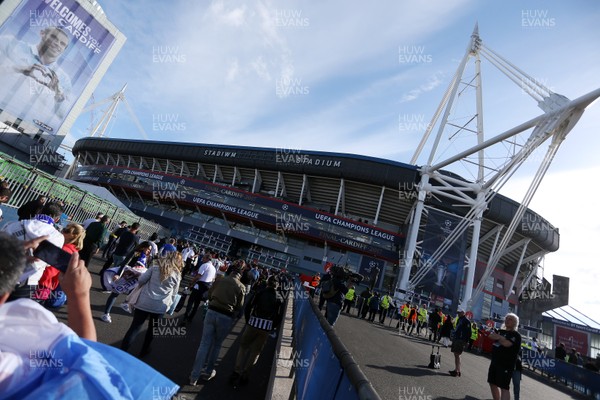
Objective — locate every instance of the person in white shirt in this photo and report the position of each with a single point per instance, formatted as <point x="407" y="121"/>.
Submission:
<point x="187" y="252"/>
<point x="29" y="229"/>
<point x="200" y="284"/>
<point x="153" y="246"/>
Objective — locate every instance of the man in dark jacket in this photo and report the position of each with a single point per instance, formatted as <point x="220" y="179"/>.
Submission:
<point x="226" y="298"/>
<point x="561" y="352"/>
<point x="31" y="208"/>
<point x="461" y="337"/>
<point x="434" y="323"/>
<point x="94" y="235"/>
<point x="112" y="238"/>
<point x="126" y="242"/>
<point x="263" y="315"/>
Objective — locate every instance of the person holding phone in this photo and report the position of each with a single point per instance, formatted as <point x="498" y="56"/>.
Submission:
<point x="31" y="335"/>
<point x="41" y="224"/>
<point x="74" y="235"/>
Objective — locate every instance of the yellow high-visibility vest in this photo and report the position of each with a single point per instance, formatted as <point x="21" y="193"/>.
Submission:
<point x="350" y="294"/>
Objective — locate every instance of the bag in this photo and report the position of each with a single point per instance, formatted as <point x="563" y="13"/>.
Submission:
<point x="328" y="289"/>
<point x="435" y="359"/>
<point x="127" y="281"/>
<point x="326" y="285"/>
<point x="108" y="275"/>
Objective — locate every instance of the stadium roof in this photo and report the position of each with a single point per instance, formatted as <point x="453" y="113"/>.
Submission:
<point x="567" y="315"/>
<point x="369" y="171"/>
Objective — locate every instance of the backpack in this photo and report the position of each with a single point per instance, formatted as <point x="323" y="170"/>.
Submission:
<point x="327" y="289"/>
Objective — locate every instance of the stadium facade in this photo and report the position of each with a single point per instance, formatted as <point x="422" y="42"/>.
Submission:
<point x="40" y="98"/>
<point x="297" y="209"/>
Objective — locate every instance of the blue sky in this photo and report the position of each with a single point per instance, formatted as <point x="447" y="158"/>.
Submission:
<point x="335" y="76"/>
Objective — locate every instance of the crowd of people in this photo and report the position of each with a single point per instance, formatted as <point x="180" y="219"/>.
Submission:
<point x="149" y="274"/>
<point x="69" y="359"/>
<point x="432" y="325"/>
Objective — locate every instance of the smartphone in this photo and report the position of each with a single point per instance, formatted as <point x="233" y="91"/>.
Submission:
<point x="53" y="255"/>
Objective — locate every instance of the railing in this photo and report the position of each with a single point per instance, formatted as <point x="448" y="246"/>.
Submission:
<point x="320" y="364"/>
<point x="28" y="183"/>
<point x="580" y="379"/>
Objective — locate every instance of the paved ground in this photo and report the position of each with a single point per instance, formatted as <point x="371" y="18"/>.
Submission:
<point x="173" y="354"/>
<point x="397" y="367"/>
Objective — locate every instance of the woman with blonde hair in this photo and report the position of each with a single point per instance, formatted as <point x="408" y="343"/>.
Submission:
<point x="48" y="291"/>
<point x="159" y="285"/>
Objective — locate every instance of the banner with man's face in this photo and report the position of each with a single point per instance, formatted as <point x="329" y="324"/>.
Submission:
<point x="49" y="51"/>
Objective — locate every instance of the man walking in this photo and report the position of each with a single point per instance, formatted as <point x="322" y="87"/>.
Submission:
<point x="112" y="238"/>
<point x="226" y="298"/>
<point x="461" y="337"/>
<point x="94" y="236"/>
<point x="263" y="314"/>
<point x="201" y="283"/>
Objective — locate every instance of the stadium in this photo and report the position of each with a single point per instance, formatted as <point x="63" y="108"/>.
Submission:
<point x="299" y="210"/>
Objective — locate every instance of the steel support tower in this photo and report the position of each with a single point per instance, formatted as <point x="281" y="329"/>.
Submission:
<point x="492" y="161"/>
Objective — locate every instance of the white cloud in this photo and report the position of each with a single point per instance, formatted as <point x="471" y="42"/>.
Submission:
<point x="562" y="199"/>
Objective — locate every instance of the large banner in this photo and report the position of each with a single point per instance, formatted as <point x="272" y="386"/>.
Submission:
<point x="49" y="51"/>
<point x="443" y="280"/>
<point x="573" y="339"/>
<point x="372" y="270"/>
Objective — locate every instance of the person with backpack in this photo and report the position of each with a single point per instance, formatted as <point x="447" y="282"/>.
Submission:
<point x="201" y="283"/>
<point x="263" y="315"/>
<point x="462" y="334"/>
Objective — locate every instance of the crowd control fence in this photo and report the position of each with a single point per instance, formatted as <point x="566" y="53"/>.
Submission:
<point x="28" y="183"/>
<point x="580" y="379"/>
<point x="322" y="366"/>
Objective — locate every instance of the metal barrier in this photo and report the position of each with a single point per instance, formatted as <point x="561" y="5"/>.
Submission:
<point x="321" y="365"/>
<point x="28" y="183"/>
<point x="580" y="379"/>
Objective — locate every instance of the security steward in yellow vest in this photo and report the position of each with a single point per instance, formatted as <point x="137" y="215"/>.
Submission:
<point x="349" y="299"/>
<point x="404" y="311"/>
<point x="422" y="318"/>
<point x="474" y="335"/>
<point x="385" y="305"/>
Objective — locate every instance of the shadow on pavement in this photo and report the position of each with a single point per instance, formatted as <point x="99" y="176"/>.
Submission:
<point x="417" y="370"/>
